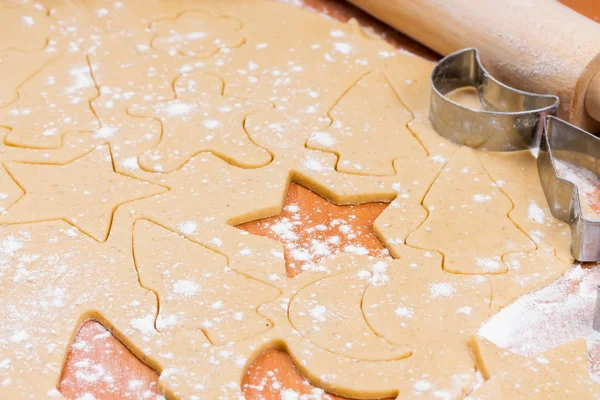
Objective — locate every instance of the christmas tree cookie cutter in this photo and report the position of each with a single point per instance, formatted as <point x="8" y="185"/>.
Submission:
<point x="570" y="145"/>
<point x="510" y="119"/>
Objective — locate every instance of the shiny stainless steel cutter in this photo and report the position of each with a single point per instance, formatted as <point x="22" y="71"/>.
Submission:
<point x="510" y="119"/>
<point x="563" y="142"/>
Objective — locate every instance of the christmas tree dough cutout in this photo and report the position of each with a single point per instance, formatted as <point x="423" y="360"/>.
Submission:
<point x="369" y="129"/>
<point x="468" y="220"/>
<point x="54" y="101"/>
<point x="195" y="287"/>
<point x="200" y="119"/>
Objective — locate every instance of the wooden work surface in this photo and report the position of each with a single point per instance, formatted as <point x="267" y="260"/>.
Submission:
<point x="99" y="365"/>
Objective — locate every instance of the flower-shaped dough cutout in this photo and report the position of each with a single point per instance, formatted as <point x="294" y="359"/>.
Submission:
<point x="197" y="34"/>
<point x="201" y="119"/>
<point x="196" y="288"/>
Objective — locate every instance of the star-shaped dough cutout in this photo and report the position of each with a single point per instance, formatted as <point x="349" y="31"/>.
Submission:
<point x="312" y="228"/>
<point x="84" y="192"/>
<point x="201" y="119"/>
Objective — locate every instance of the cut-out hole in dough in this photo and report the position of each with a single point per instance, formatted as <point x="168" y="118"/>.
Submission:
<point x="312" y="228"/>
<point x="273" y="375"/>
<point x="100" y="365"/>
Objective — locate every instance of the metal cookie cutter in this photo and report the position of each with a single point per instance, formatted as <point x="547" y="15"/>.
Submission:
<point x="510" y="119"/>
<point x="596" y="323"/>
<point x="565" y="143"/>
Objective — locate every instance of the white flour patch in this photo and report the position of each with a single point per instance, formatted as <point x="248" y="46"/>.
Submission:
<point x="441" y="290"/>
<point x="144" y="324"/>
<point x="343" y="48"/>
<point x="106" y="132"/>
<point x="318" y="313"/>
<point x="489" y="264"/>
<point x="130" y="163"/>
<point x="177" y="108"/>
<point x="185" y="287"/>
<point x="535" y="212"/>
<point x="466" y="310"/>
<point x="550" y="317"/>
<point x="354" y="249"/>
<point x="212" y="124"/>
<point x="405" y="312"/>
<point x="482" y="198"/>
<point x="188" y="227"/>
<point x="324" y="139"/>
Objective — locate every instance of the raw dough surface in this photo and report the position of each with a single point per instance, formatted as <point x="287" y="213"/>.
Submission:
<point x="136" y="135"/>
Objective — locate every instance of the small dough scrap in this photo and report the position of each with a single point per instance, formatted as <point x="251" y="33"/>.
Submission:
<point x="328" y="313"/>
<point x="197" y="34"/>
<point x="369" y="129"/>
<point x="53" y="102"/>
<point x="84" y="192"/>
<point x="560" y="373"/>
<point x="25" y="27"/>
<point x="468" y="220"/>
<point x="196" y="288"/>
<point x="516" y="174"/>
<point x="201" y="119"/>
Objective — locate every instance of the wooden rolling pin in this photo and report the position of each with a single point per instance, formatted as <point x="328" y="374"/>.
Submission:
<point x="539" y="46"/>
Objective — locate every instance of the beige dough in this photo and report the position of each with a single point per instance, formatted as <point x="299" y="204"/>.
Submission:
<point x="560" y="373"/>
<point x="368" y="146"/>
<point x="25" y="27"/>
<point x="201" y="119"/>
<point x="53" y="102"/>
<point x="197" y="34"/>
<point x="196" y="288"/>
<point x="459" y="216"/>
<point x="84" y="192"/>
<point x="16" y="67"/>
<point x="329" y="314"/>
<point x="131" y="150"/>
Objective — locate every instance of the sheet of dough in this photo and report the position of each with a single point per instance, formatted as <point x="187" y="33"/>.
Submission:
<point x="257" y="82"/>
